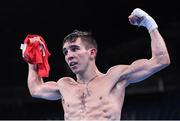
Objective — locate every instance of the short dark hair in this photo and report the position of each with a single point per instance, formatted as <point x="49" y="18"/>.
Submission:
<point x="85" y="36"/>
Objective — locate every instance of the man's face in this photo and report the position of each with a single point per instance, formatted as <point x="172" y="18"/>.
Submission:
<point x="76" y="55"/>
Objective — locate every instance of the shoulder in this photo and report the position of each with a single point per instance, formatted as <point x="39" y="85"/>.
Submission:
<point x="116" y="75"/>
<point x="65" y="80"/>
<point x="117" y="69"/>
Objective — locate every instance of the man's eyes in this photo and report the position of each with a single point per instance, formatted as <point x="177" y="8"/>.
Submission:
<point x="74" y="49"/>
<point x="65" y="52"/>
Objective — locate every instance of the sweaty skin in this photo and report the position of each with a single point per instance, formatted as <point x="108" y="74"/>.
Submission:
<point x="97" y="100"/>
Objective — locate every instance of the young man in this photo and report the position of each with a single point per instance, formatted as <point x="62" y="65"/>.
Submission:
<point x="94" y="95"/>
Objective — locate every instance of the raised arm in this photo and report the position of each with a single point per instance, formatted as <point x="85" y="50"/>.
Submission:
<point x="143" y="68"/>
<point x="40" y="89"/>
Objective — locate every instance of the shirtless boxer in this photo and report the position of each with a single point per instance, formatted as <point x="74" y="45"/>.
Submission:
<point x="95" y="95"/>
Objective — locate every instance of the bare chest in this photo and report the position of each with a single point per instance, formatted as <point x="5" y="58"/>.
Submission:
<point x="90" y="100"/>
<point x="83" y="94"/>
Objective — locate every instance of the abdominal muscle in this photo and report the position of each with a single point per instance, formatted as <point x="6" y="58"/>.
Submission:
<point x="91" y="110"/>
<point x="78" y="104"/>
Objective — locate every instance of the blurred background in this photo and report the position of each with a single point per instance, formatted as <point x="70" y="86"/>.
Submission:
<point x="119" y="43"/>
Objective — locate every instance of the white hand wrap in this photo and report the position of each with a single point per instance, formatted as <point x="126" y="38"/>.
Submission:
<point x="143" y="19"/>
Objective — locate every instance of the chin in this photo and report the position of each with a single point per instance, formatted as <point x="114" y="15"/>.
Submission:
<point x="76" y="71"/>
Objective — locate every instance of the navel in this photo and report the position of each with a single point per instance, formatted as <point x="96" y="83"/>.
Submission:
<point x="104" y="111"/>
<point x="100" y="98"/>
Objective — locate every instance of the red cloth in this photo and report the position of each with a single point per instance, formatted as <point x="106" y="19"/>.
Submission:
<point x="37" y="53"/>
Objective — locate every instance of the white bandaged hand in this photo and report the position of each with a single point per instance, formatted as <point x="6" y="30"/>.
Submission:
<point x="141" y="18"/>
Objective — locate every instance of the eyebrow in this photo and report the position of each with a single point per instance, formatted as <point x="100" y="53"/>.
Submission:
<point x="71" y="46"/>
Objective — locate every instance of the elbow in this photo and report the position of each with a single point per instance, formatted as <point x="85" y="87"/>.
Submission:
<point x="167" y="60"/>
<point x="34" y="93"/>
<point x="164" y="60"/>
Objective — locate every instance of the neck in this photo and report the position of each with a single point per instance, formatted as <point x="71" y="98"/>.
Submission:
<point x="91" y="73"/>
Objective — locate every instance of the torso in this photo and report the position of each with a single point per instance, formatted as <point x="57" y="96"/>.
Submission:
<point x="99" y="100"/>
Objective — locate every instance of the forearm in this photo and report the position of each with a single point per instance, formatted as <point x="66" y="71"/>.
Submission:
<point x="158" y="47"/>
<point x="159" y="51"/>
<point x="33" y="79"/>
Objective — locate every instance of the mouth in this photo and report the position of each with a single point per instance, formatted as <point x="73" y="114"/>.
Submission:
<point x="72" y="64"/>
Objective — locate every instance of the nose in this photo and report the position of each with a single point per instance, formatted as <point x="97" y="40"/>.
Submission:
<point x="70" y="56"/>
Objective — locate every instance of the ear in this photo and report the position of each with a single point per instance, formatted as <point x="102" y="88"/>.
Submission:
<point x="93" y="52"/>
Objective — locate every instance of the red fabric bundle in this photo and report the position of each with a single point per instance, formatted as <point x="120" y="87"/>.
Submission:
<point x="35" y="51"/>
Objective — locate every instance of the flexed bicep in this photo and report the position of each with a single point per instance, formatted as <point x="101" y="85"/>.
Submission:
<point x="48" y="90"/>
<point x="140" y="70"/>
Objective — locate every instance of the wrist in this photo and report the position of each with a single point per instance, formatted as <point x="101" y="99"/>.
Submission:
<point x="149" y="23"/>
